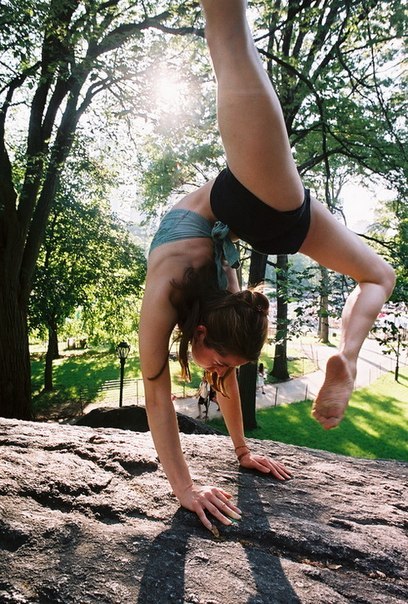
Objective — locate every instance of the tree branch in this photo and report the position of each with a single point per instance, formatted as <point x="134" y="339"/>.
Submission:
<point x="120" y="34"/>
<point x="389" y="246"/>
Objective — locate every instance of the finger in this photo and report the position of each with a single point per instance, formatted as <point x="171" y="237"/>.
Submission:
<point x="262" y="467"/>
<point x="217" y="513"/>
<point x="277" y="469"/>
<point x="276" y="472"/>
<point x="200" y="513"/>
<point x="280" y="474"/>
<point x="228" y="503"/>
<point x="231" y="510"/>
<point x="225" y="506"/>
<point x="225" y="493"/>
<point x="281" y="468"/>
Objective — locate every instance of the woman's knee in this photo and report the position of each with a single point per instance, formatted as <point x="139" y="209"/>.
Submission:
<point x="382" y="274"/>
<point x="388" y="278"/>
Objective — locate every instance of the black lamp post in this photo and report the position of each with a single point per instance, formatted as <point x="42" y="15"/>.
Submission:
<point x="122" y="350"/>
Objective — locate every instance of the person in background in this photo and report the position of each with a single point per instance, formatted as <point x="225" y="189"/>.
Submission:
<point x="213" y="397"/>
<point x="203" y="397"/>
<point x="261" y="377"/>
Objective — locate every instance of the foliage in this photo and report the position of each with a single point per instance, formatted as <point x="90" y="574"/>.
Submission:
<point x="334" y="68"/>
<point x="391" y="331"/>
<point x="184" y="147"/>
<point x="57" y="58"/>
<point x="88" y="258"/>
<point x="302" y="290"/>
<point x="389" y="235"/>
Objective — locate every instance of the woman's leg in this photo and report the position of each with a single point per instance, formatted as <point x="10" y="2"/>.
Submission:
<point x="258" y="152"/>
<point x="250" y="117"/>
<point x="334" y="246"/>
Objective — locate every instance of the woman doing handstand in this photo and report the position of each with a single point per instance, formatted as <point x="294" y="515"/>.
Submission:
<point x="261" y="199"/>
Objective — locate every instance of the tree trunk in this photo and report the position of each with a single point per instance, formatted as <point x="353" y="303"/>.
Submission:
<point x="53" y="340"/>
<point x="280" y="361"/>
<point x="397" y="357"/>
<point x="15" y="371"/>
<point x="323" y="332"/>
<point x="52" y="353"/>
<point x="48" y="385"/>
<point x="248" y="373"/>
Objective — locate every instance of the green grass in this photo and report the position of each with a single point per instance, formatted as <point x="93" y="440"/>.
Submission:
<point x="78" y="375"/>
<point x="375" y="425"/>
<point x="78" y="372"/>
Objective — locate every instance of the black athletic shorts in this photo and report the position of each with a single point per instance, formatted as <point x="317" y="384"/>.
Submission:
<point x="267" y="230"/>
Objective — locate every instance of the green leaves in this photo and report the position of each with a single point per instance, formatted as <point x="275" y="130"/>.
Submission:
<point x="88" y="259"/>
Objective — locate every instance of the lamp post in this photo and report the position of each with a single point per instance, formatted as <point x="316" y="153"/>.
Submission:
<point x="122" y="350"/>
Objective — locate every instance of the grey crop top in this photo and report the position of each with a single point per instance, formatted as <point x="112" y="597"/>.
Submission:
<point x="179" y="224"/>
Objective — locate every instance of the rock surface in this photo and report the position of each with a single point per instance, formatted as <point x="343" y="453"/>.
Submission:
<point x="134" y="418"/>
<point x="87" y="516"/>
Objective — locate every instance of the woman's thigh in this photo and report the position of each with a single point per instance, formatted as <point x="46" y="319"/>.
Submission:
<point x="250" y="117"/>
<point x="334" y="246"/>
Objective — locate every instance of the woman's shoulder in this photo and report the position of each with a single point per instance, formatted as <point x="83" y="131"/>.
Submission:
<point x="198" y="201"/>
<point x="171" y="260"/>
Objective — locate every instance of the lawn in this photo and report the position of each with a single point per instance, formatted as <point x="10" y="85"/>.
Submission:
<point x="78" y="375"/>
<point x="375" y="425"/>
<point x="298" y="362"/>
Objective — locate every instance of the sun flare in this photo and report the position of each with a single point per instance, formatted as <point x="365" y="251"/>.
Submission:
<point x="171" y="92"/>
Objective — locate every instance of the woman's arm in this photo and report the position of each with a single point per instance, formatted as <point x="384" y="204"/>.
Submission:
<point x="232" y="279"/>
<point x="158" y="318"/>
<point x="232" y="414"/>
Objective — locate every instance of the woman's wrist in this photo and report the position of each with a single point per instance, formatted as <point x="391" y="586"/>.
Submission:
<point x="241" y="455"/>
<point x="179" y="493"/>
<point x="241" y="451"/>
<point x="186" y="488"/>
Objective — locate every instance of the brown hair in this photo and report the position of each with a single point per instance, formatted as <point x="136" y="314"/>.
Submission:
<point x="236" y="323"/>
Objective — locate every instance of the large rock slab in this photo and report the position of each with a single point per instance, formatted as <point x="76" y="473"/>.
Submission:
<point x="87" y="516"/>
<point x="133" y="417"/>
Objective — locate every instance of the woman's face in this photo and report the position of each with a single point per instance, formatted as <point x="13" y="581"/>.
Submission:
<point x="209" y="359"/>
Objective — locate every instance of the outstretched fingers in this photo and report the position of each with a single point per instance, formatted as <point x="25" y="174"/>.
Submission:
<point x="222" y="511"/>
<point x="217" y="502"/>
<point x="266" y="465"/>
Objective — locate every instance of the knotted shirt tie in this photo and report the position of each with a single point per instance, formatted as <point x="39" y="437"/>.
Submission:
<point x="223" y="249"/>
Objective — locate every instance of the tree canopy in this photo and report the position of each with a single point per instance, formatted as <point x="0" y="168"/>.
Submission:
<point x="56" y="58"/>
<point x="88" y="258"/>
<point x="337" y="66"/>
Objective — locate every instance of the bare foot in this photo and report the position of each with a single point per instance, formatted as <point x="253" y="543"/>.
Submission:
<point x="332" y="400"/>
